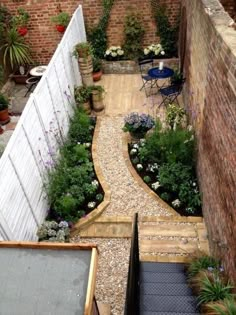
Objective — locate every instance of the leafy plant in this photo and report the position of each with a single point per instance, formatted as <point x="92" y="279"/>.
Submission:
<point x="5" y="20"/>
<point x="134" y="32"/>
<point x="54" y="232"/>
<point x="177" y="77"/>
<point x="214" y="289"/>
<point x="15" y="50"/>
<point x="114" y="53"/>
<point x="97" y="64"/>
<point x="63" y="19"/>
<point x="200" y="262"/>
<point x="97" y="35"/>
<point x="168" y="33"/>
<point x="21" y="19"/>
<point x="83" y="50"/>
<point x="174" y="115"/>
<point x="80" y="127"/>
<point x="138" y="123"/>
<point x="4" y="102"/>
<point x="82" y="94"/>
<point x="224" y="307"/>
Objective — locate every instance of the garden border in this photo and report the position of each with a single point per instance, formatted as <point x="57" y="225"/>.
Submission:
<point x="107" y="193"/>
<point x="125" y="141"/>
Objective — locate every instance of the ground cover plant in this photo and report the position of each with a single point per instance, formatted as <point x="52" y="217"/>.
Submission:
<point x="165" y="160"/>
<point x="72" y="187"/>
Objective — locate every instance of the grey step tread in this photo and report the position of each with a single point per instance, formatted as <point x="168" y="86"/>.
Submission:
<point x="166" y="289"/>
<point x="184" y="304"/>
<point x="174" y="277"/>
<point x="165" y="313"/>
<point x="161" y="267"/>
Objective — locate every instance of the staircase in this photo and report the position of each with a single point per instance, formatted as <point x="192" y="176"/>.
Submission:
<point x="164" y="290"/>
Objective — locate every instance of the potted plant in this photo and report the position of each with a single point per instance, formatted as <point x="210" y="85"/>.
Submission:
<point x="114" y="53"/>
<point x="4" y="115"/>
<point x="17" y="53"/>
<point x="177" y="77"/>
<point x="20" y="21"/>
<point x="97" y="97"/>
<point x="61" y="20"/>
<point x="97" y="69"/>
<point x="138" y="125"/>
<point x="83" y="50"/>
<point x="82" y="97"/>
<point x="84" y="53"/>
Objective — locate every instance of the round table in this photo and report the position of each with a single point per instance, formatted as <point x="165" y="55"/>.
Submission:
<point x="156" y="73"/>
<point x="38" y="71"/>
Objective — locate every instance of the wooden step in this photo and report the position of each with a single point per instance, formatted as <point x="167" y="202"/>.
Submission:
<point x="170" y="218"/>
<point x="167" y="230"/>
<point x="170" y="258"/>
<point x="167" y="246"/>
<point x="108" y="230"/>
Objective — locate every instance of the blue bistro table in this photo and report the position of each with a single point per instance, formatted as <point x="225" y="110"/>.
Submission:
<point x="158" y="74"/>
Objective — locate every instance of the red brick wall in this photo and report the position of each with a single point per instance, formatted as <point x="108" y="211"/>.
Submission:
<point x="43" y="38"/>
<point x="210" y="96"/>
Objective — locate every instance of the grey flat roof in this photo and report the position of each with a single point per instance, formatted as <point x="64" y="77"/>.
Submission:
<point x="43" y="281"/>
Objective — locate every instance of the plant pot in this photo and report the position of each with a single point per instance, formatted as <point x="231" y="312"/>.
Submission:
<point x="19" y="78"/>
<point x="86" y="70"/>
<point x="97" y="100"/>
<point x="137" y="135"/>
<point x="86" y="106"/>
<point x="60" y="28"/>
<point x="83" y="52"/>
<point x="4" y="117"/>
<point x="97" y="75"/>
<point x="22" y="31"/>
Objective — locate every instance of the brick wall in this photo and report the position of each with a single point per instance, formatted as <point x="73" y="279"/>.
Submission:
<point x="43" y="38"/>
<point x="210" y="97"/>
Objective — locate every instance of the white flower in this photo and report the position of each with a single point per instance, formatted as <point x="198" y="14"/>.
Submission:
<point x="189" y="210"/>
<point x="114" y="54"/>
<point x="194" y="184"/>
<point x="91" y="204"/>
<point x="87" y="144"/>
<point x="155" y="185"/>
<point x="146" y="51"/>
<point x="162" y="52"/>
<point x="142" y="142"/>
<point x="63" y="224"/>
<point x="120" y="52"/>
<point x="190" y="128"/>
<point x="139" y="166"/>
<point x="108" y="52"/>
<point x="176" y="203"/>
<point x="95" y="183"/>
<point x="135" y="146"/>
<point x="133" y="151"/>
<point x="152" y="167"/>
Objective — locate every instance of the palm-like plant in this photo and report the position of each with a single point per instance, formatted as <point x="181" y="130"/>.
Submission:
<point x="15" y="50"/>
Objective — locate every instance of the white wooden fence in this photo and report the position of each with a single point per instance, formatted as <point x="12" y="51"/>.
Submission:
<point x="29" y="153"/>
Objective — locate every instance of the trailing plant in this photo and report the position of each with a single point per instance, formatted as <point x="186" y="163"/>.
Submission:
<point x="214" y="289"/>
<point x="63" y="18"/>
<point x="97" y="35"/>
<point x="4" y="102"/>
<point x="21" y="19"/>
<point x="15" y="50"/>
<point x="134" y="32"/>
<point x="168" y="33"/>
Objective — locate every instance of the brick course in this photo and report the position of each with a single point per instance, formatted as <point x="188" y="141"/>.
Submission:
<point x="210" y="95"/>
<point x="43" y="37"/>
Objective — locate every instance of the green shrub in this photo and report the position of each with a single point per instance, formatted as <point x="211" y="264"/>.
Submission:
<point x="174" y="115"/>
<point x="80" y="128"/>
<point x="214" y="290"/>
<point x="147" y="179"/>
<point x="75" y="154"/>
<point x="202" y="262"/>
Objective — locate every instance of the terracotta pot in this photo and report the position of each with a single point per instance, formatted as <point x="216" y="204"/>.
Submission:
<point x="60" y="28"/>
<point x="97" y="101"/>
<point x="22" y="31"/>
<point x="86" y="70"/>
<point x="4" y="116"/>
<point x="97" y="75"/>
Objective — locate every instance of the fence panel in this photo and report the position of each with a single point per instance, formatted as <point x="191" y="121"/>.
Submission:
<point x="33" y="146"/>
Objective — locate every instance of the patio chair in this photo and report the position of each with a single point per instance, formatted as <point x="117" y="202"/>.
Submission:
<point x="170" y="93"/>
<point x="148" y="82"/>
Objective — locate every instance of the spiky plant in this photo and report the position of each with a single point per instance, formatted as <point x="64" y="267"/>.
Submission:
<point x="225" y="307"/>
<point x="201" y="262"/>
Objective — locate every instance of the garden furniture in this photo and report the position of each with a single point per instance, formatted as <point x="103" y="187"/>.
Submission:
<point x="170" y="93"/>
<point x="160" y="73"/>
<point x="36" y="74"/>
<point x="148" y="81"/>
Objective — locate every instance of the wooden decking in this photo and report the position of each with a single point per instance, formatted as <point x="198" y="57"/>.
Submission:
<point x="123" y="95"/>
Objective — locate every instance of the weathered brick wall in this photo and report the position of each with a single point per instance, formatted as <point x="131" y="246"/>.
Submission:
<point x="210" y="96"/>
<point x="43" y="38"/>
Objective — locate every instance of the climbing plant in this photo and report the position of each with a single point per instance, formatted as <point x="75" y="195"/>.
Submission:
<point x="168" y="33"/>
<point x="134" y="32"/>
<point x="97" y="35"/>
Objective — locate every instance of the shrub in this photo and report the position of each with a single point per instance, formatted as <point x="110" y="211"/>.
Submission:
<point x="80" y="128"/>
<point x="174" y="115"/>
<point x="200" y="262"/>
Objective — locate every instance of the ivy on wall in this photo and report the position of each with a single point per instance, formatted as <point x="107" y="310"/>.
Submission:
<point x="97" y="35"/>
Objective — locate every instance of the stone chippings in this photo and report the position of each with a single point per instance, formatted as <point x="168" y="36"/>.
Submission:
<point x="127" y="197"/>
<point x="113" y="264"/>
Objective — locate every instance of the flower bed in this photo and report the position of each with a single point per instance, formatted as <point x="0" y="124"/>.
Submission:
<point x="72" y="187"/>
<point x="166" y="162"/>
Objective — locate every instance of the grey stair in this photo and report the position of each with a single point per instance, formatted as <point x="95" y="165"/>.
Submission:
<point x="176" y="277"/>
<point x="167" y="289"/>
<point x="161" y="267"/>
<point x="176" y="304"/>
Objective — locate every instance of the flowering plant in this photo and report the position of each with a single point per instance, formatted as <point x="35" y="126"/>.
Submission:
<point x="138" y="124"/>
<point x="154" y="50"/>
<point x="114" y="53"/>
<point x="54" y="232"/>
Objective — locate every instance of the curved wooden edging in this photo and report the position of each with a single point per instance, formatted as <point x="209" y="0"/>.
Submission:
<point x="107" y="193"/>
<point x="141" y="183"/>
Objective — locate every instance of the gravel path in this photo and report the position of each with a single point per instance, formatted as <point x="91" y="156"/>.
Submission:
<point x="127" y="197"/>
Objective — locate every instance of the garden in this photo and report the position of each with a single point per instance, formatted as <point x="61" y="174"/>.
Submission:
<point x="166" y="158"/>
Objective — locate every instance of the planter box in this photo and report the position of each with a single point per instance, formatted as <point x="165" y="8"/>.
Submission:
<point x="131" y="67"/>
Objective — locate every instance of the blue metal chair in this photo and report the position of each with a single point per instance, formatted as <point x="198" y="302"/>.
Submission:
<point x="148" y="82"/>
<point x="170" y="93"/>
